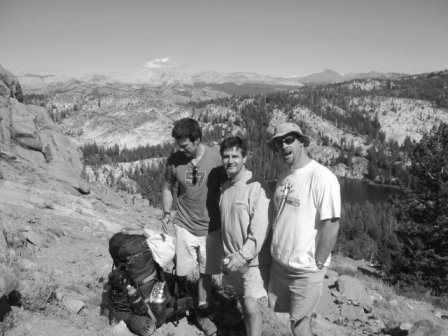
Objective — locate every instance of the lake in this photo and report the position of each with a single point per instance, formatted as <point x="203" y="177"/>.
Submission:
<point x="357" y="191"/>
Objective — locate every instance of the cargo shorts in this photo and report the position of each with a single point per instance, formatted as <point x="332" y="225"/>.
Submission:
<point x="295" y="292"/>
<point x="193" y="251"/>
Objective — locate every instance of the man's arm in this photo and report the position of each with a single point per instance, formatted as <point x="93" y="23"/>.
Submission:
<point x="256" y="232"/>
<point x="167" y="204"/>
<point x="259" y="223"/>
<point x="167" y="196"/>
<point x="327" y="239"/>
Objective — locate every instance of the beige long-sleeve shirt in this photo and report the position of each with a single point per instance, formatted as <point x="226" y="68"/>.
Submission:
<point x="245" y="218"/>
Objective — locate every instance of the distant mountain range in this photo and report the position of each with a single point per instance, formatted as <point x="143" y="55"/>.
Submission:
<point x="158" y="77"/>
<point x="135" y="109"/>
<point x="330" y="76"/>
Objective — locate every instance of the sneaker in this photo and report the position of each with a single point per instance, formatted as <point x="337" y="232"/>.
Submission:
<point x="204" y="322"/>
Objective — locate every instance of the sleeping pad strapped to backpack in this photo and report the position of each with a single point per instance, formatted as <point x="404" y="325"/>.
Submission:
<point x="137" y="291"/>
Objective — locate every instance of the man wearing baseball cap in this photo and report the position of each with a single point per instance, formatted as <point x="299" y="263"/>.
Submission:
<point x="308" y="206"/>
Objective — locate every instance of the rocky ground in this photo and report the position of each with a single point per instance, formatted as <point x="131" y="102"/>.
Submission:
<point x="58" y="257"/>
<point x="54" y="257"/>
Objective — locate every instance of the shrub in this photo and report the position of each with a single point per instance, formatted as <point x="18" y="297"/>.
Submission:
<point x="37" y="292"/>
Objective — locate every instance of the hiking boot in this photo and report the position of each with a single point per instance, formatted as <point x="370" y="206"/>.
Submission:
<point x="204" y="323"/>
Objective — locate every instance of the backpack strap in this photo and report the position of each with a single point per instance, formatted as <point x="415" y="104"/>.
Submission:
<point x="132" y="258"/>
<point x="176" y="313"/>
<point x="150" y="313"/>
<point x="176" y="296"/>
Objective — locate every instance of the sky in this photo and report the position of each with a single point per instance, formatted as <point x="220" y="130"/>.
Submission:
<point x="271" y="37"/>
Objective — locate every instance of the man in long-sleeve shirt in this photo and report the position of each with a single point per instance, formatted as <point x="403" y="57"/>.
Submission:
<point x="244" y="206"/>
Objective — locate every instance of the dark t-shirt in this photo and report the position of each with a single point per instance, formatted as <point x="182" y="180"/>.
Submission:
<point x="197" y="204"/>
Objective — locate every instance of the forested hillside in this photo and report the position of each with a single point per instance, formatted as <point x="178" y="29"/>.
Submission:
<point x="421" y="259"/>
<point x="347" y="122"/>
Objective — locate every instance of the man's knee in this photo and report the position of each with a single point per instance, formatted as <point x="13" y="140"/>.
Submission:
<point x="251" y="306"/>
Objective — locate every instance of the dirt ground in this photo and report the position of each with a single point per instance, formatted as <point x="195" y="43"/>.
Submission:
<point x="59" y="253"/>
<point x="64" y="259"/>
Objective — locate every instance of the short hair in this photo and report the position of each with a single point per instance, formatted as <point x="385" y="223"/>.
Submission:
<point x="233" y="141"/>
<point x="187" y="127"/>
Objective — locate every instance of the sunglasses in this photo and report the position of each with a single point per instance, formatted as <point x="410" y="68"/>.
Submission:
<point x="288" y="140"/>
<point x="194" y="180"/>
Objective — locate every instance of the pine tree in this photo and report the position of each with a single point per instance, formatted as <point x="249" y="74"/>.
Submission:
<point x="423" y="217"/>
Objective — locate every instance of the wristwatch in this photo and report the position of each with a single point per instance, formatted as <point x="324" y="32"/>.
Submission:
<point x="319" y="264"/>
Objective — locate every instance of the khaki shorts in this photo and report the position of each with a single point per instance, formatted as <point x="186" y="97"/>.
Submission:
<point x="297" y="293"/>
<point x="192" y="251"/>
<point x="253" y="283"/>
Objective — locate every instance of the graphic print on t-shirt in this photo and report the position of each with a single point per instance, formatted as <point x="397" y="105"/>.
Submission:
<point x="293" y="201"/>
<point x="189" y="178"/>
<point x="288" y="194"/>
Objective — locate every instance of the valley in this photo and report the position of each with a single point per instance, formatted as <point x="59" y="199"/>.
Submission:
<point x="57" y="215"/>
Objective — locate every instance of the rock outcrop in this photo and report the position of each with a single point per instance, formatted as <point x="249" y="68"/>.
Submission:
<point x="53" y="227"/>
<point x="32" y="149"/>
<point x="9" y="85"/>
<point x="36" y="162"/>
<point x="347" y="302"/>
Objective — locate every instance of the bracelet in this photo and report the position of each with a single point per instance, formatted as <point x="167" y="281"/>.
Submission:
<point x="242" y="259"/>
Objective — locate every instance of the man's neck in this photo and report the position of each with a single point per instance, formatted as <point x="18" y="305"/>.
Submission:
<point x="301" y="161"/>
<point x="239" y="175"/>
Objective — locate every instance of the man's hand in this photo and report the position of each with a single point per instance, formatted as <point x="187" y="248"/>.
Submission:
<point x="327" y="239"/>
<point x="236" y="261"/>
<point x="167" y="224"/>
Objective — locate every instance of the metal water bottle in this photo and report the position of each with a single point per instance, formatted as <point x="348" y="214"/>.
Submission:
<point x="106" y="299"/>
<point x="133" y="296"/>
<point x="157" y="302"/>
<point x="131" y="291"/>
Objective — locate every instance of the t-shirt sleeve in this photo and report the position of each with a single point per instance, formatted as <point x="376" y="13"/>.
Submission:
<point x="328" y="196"/>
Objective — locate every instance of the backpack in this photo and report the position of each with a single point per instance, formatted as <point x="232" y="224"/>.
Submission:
<point x="132" y="253"/>
<point x="136" y="280"/>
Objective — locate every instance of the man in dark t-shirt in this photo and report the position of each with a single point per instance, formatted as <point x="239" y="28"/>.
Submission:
<point x="197" y="170"/>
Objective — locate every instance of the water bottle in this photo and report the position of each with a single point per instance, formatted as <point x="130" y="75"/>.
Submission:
<point x="157" y="302"/>
<point x="106" y="300"/>
<point x="131" y="292"/>
<point x="133" y="296"/>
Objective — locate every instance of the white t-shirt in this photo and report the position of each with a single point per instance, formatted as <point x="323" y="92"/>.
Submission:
<point x="313" y="195"/>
